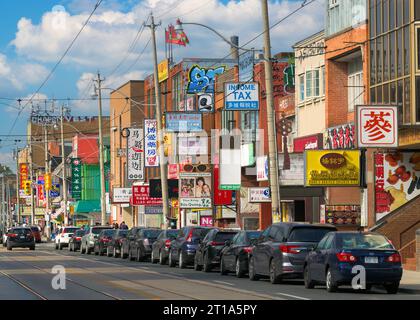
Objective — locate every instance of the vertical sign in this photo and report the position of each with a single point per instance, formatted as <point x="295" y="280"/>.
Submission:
<point x="150" y="143"/>
<point x="246" y="66"/>
<point x="221" y="197"/>
<point x="135" y="154"/>
<point x="76" y="178"/>
<point x="262" y="168"/>
<point x="23" y="175"/>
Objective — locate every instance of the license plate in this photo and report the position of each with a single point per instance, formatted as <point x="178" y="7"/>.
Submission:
<point x="22" y="237"/>
<point x="371" y="259"/>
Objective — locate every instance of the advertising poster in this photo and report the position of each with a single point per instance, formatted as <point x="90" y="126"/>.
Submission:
<point x="151" y="158"/>
<point x="397" y="180"/>
<point x="195" y="188"/>
<point x="343" y="215"/>
<point x="332" y="168"/>
<point x="340" y="137"/>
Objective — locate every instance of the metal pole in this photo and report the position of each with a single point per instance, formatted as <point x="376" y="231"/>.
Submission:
<point x="31" y="174"/>
<point x="10" y="221"/>
<point x="162" y="164"/>
<point x="101" y="153"/>
<point x="272" y="147"/>
<point x="17" y="208"/>
<point x="47" y="192"/>
<point x="63" y="162"/>
<point x="3" y="213"/>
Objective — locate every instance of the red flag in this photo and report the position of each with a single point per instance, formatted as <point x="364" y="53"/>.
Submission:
<point x="179" y="38"/>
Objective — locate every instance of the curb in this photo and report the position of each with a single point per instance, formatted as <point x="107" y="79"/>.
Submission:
<point x="407" y="290"/>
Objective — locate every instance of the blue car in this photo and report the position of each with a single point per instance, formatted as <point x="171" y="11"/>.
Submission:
<point x="341" y="256"/>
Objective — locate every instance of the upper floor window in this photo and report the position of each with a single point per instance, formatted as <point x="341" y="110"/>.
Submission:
<point x="302" y="87"/>
<point x="355" y="83"/>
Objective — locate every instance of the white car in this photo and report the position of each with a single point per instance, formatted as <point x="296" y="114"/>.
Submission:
<point x="63" y="236"/>
<point x="5" y="237"/>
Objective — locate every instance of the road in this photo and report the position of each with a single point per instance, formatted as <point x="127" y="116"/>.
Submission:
<point x="27" y="275"/>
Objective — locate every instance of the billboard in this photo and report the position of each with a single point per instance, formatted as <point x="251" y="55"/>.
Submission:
<point x="195" y="189"/>
<point x="241" y="96"/>
<point x="332" y="168"/>
<point x="135" y="154"/>
<point x="163" y="70"/>
<point x="183" y="122"/>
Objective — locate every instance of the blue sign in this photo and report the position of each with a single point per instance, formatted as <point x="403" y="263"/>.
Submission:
<point x="183" y="122"/>
<point x="55" y="192"/>
<point x="246" y="66"/>
<point x="241" y="96"/>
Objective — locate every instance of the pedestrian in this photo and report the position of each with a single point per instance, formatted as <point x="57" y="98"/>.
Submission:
<point x="115" y="225"/>
<point x="123" y="226"/>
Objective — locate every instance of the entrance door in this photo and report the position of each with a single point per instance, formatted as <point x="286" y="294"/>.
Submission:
<point x="300" y="211"/>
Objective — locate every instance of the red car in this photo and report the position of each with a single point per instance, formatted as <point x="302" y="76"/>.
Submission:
<point x="37" y="233"/>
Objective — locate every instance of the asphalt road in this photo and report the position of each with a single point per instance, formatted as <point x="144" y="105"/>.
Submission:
<point x="27" y="275"/>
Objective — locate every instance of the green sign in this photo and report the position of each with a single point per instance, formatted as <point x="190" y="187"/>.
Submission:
<point x="76" y="178"/>
<point x="230" y="187"/>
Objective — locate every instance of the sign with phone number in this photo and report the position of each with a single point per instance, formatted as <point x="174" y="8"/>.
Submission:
<point x="192" y="203"/>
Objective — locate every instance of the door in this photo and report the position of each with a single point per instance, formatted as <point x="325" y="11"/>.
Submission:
<point x="319" y="258"/>
<point x="229" y="253"/>
<point x="259" y="251"/>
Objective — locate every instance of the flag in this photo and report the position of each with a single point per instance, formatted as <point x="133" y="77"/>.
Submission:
<point x="179" y="38"/>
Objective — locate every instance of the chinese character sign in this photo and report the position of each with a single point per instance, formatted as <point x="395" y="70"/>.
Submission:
<point x="340" y="137"/>
<point x="377" y="126"/>
<point x="76" y="178"/>
<point x="135" y="154"/>
<point x="23" y="174"/>
<point x="141" y="196"/>
<point x="151" y="158"/>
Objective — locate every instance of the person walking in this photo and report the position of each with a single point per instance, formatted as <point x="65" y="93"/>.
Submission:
<point x="123" y="226"/>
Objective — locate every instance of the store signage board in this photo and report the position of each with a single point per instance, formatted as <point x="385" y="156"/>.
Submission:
<point x="121" y="195"/>
<point x="135" y="154"/>
<point x="151" y="158"/>
<point x="377" y="126"/>
<point x="241" y="96"/>
<point x="257" y="195"/>
<point x="183" y="122"/>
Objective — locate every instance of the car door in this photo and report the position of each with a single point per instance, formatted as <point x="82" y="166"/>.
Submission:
<point x="259" y="250"/>
<point x="230" y="252"/>
<point x="178" y="242"/>
<point x="319" y="258"/>
<point x="202" y="247"/>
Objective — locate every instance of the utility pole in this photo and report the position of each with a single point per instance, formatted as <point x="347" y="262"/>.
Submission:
<point x="47" y="192"/>
<point x="17" y="207"/>
<point x="3" y="213"/>
<point x="31" y="175"/>
<point x="272" y="144"/>
<point x="101" y="152"/>
<point x="8" y="202"/>
<point x="63" y="162"/>
<point x="162" y="162"/>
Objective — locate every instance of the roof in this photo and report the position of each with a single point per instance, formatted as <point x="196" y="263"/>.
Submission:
<point x="310" y="39"/>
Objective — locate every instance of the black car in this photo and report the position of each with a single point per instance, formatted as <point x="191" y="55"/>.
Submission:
<point x="208" y="252"/>
<point x="114" y="247"/>
<point x="234" y="256"/>
<point x="141" y="248"/>
<point x="281" y="250"/>
<point x="129" y="241"/>
<point x="20" y="237"/>
<point x="333" y="260"/>
<point x="160" y="247"/>
<point x="183" y="248"/>
<point x="104" y="239"/>
<point x="76" y="240"/>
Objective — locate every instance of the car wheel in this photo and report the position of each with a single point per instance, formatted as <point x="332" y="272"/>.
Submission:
<point x="181" y="262"/>
<point x="70" y="248"/>
<point x="171" y="260"/>
<point x="392" y="288"/>
<point x="252" y="275"/>
<point x="161" y="258"/>
<point x="9" y="247"/>
<point x="130" y="256"/>
<point x="60" y="246"/>
<point x="138" y="255"/>
<point x="223" y="270"/>
<point x="56" y="246"/>
<point x="239" y="270"/>
<point x="32" y="248"/>
<point x="152" y="258"/>
<point x="197" y="267"/>
<point x="206" y="263"/>
<point x="88" y="250"/>
<point x="115" y="254"/>
<point x="330" y="282"/>
<point x="82" y="249"/>
<point x="309" y="284"/>
<point x="274" y="277"/>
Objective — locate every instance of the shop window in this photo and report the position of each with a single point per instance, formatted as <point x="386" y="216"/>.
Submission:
<point x="407" y="113"/>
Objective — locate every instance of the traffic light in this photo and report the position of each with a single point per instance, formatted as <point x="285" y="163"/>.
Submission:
<point x="27" y="187"/>
<point x="47" y="181"/>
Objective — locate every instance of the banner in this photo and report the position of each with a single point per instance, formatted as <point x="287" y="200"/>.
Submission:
<point x="332" y="168"/>
<point x="135" y="154"/>
<point x="23" y="170"/>
<point x="76" y="178"/>
<point x="397" y="180"/>
<point x="151" y="158"/>
<point x="163" y="70"/>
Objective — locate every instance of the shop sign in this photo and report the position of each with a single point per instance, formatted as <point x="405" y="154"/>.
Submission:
<point x="221" y="197"/>
<point x="151" y="158"/>
<point x="206" y="221"/>
<point x="76" y="178"/>
<point x="341" y="215"/>
<point x="262" y="168"/>
<point x="313" y="142"/>
<point x="332" y="168"/>
<point x="153" y="210"/>
<point x="257" y="195"/>
<point x="163" y="70"/>
<point x="121" y="195"/>
<point x="397" y="180"/>
<point x="195" y="189"/>
<point x="340" y="137"/>
<point x="173" y="171"/>
<point x="135" y="154"/>
<point x="241" y="96"/>
<point x="184" y="122"/>
<point x="377" y="126"/>
<point x="230" y="169"/>
<point x="192" y="203"/>
<point x="141" y="196"/>
<point x="246" y="66"/>
<point x="23" y="170"/>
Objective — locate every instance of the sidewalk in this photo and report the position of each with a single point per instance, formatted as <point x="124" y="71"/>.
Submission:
<point x="410" y="282"/>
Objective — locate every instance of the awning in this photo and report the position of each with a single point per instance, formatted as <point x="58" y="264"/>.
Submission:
<point x="86" y="206"/>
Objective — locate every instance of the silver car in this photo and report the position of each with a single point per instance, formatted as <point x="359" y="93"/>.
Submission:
<point x="88" y="240"/>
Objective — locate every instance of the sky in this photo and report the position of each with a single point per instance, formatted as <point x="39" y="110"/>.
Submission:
<point x="35" y="34"/>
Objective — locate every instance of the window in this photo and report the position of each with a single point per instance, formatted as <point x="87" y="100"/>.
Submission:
<point x="228" y="120"/>
<point x="249" y="125"/>
<point x="176" y="91"/>
<point x="333" y="3"/>
<point x="323" y="80"/>
<point x="316" y="82"/>
<point x="312" y="84"/>
<point x="417" y="99"/>
<point x="308" y="84"/>
<point x="302" y="87"/>
<point x="355" y="83"/>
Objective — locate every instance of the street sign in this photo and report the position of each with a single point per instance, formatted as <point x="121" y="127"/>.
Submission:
<point x="241" y="96"/>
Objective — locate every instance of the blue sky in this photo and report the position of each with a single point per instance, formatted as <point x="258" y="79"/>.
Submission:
<point x="31" y="43"/>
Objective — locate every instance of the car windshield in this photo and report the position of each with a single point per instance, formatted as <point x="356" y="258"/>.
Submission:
<point x="253" y="235"/>
<point x="108" y="233"/>
<point x="21" y="231"/>
<point x="224" y="236"/>
<point x="70" y="230"/>
<point x="35" y="229"/>
<point x="200" y="232"/>
<point x="122" y="233"/>
<point x="98" y="230"/>
<point x="363" y="241"/>
<point x="308" y="234"/>
<point x="172" y="234"/>
<point x="80" y="232"/>
<point x="152" y="233"/>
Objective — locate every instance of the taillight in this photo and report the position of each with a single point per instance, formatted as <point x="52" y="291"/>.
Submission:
<point x="167" y="243"/>
<point x="394" y="258"/>
<point x="106" y="239"/>
<point x="289" y="249"/>
<point x="247" y="249"/>
<point x="215" y="243"/>
<point x="346" y="257"/>
<point x="12" y="235"/>
<point x="189" y="237"/>
<point x="78" y="238"/>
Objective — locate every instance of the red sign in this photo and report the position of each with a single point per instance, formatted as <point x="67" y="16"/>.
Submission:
<point x="206" y="221"/>
<point x="173" y="171"/>
<point x="383" y="199"/>
<point x="141" y="197"/>
<point x="313" y="142"/>
<point x="221" y="197"/>
<point x="23" y="174"/>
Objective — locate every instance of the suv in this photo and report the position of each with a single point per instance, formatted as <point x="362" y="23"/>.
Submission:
<point x="20" y="237"/>
<point x="281" y="250"/>
<point x="183" y="248"/>
<point x="141" y="247"/>
<point x="63" y="236"/>
<point x="208" y="252"/>
<point x="129" y="241"/>
<point x="37" y="233"/>
<point x="88" y="240"/>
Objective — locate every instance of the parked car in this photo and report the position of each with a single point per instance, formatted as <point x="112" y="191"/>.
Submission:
<point x="114" y="247"/>
<point x="141" y="248"/>
<point x="129" y="241"/>
<point x="101" y="243"/>
<point x="20" y="237"/>
<point x="160" y="248"/>
<point x="63" y="236"/>
<point x="234" y="256"/>
<point x="5" y="237"/>
<point x="76" y="240"/>
<point x="37" y="233"/>
<point x="88" y="239"/>
<point x="281" y="250"/>
<point x="208" y="252"/>
<point x="1" y="236"/>
<point x="332" y="261"/>
<point x="183" y="248"/>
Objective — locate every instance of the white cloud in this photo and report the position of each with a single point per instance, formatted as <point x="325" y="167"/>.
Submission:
<point x="6" y="158"/>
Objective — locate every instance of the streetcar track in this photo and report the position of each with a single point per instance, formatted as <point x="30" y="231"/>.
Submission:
<point x="21" y="284"/>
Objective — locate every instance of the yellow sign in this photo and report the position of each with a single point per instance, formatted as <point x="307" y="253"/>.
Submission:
<point x="27" y="187"/>
<point x="47" y="181"/>
<point x="331" y="168"/>
<point x="163" y="70"/>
